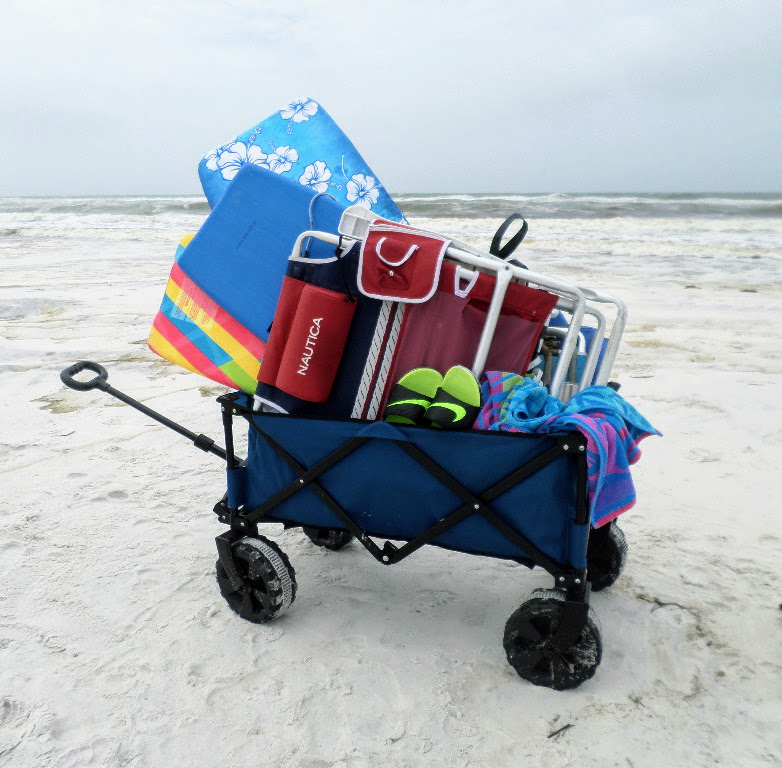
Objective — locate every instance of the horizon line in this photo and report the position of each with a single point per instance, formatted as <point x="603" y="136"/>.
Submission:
<point x="88" y="195"/>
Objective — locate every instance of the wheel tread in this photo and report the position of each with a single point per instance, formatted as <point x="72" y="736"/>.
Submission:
<point x="527" y="643"/>
<point x="269" y="580"/>
<point x="278" y="571"/>
<point x="606" y="556"/>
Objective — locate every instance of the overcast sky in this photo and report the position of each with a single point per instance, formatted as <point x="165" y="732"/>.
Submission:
<point x="105" y="97"/>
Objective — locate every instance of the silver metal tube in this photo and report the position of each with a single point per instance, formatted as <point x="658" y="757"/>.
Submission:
<point x="617" y="329"/>
<point x="490" y="263"/>
<point x="594" y="349"/>
<point x="487" y="335"/>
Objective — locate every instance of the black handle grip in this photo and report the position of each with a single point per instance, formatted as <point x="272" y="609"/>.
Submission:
<point x="503" y="251"/>
<point x="99" y="382"/>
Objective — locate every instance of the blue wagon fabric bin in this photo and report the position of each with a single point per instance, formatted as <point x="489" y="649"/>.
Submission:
<point x="382" y="485"/>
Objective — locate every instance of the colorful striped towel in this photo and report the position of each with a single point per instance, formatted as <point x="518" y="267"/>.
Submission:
<point x="502" y="393"/>
<point x="613" y="428"/>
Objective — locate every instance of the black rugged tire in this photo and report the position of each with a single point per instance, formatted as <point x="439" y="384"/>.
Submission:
<point x="529" y="646"/>
<point x="330" y="538"/>
<point x="606" y="555"/>
<point x="269" y="581"/>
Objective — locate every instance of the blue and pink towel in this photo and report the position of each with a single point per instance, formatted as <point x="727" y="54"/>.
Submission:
<point x="613" y="429"/>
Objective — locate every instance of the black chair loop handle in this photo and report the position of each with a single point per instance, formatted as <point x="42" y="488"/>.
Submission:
<point x="503" y="251"/>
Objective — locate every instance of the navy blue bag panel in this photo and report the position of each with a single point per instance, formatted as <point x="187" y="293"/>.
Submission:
<point x="389" y="494"/>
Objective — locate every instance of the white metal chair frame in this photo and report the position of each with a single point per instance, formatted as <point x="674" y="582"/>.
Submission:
<point x="572" y="299"/>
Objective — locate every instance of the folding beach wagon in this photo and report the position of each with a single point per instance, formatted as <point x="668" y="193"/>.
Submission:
<point x="394" y="489"/>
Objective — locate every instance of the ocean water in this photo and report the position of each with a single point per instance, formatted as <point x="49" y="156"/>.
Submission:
<point x="709" y="239"/>
<point x="83" y="277"/>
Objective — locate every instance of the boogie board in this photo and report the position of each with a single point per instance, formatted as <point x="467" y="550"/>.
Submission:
<point x="221" y="297"/>
<point x="302" y="143"/>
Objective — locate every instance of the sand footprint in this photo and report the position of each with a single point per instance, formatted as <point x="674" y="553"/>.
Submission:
<point x="703" y="456"/>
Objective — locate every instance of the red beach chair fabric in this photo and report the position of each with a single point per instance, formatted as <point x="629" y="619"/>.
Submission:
<point x="445" y="331"/>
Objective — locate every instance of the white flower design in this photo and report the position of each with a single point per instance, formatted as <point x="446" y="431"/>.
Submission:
<point x="211" y="159"/>
<point x="362" y="190"/>
<point x="282" y="159"/>
<point x="316" y="176"/>
<point x="229" y="158"/>
<point x="299" y="110"/>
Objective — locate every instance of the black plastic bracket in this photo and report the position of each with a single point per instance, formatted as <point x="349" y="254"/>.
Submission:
<point x="204" y="443"/>
<point x="241" y="524"/>
<point x="572" y="621"/>
<point x="574" y="581"/>
<point x="389" y="553"/>
<point x="575" y="611"/>
<point x="222" y="510"/>
<point x="235" y="518"/>
<point x="225" y="542"/>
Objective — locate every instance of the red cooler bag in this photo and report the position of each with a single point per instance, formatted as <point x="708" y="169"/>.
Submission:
<point x="307" y="340"/>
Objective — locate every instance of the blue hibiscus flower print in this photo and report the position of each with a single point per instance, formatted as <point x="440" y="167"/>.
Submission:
<point x="282" y="159"/>
<point x="299" y="110"/>
<point x="316" y="176"/>
<point x="229" y="158"/>
<point x="362" y="190"/>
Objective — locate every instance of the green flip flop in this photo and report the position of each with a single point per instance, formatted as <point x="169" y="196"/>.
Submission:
<point x="412" y="395"/>
<point x="458" y="401"/>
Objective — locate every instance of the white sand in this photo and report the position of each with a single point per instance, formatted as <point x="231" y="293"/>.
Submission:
<point x="116" y="648"/>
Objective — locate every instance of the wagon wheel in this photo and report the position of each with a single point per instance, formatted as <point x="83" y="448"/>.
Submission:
<point x="268" y="580"/>
<point x="531" y="649"/>
<point x="606" y="555"/>
<point x="330" y="538"/>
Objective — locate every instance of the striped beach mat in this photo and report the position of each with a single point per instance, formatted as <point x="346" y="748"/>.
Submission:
<point x="194" y="332"/>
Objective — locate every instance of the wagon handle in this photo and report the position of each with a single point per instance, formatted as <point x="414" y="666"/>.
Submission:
<point x="100" y="381"/>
